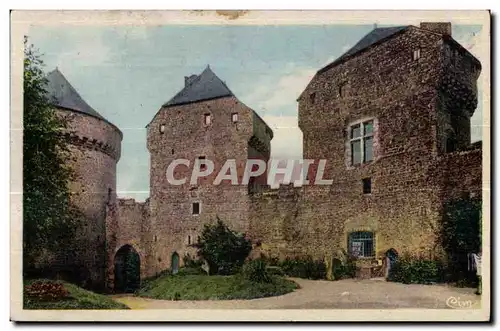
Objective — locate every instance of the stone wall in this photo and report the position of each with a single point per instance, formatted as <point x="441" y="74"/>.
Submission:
<point x="127" y="223"/>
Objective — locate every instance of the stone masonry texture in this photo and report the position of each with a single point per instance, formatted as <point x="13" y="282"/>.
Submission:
<point x="417" y="86"/>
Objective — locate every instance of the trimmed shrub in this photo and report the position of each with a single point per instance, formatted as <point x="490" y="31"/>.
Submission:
<point x="344" y="269"/>
<point x="256" y="271"/>
<point x="304" y="267"/>
<point x="416" y="270"/>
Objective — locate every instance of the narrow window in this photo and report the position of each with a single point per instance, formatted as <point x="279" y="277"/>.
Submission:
<point x="208" y="119"/>
<point x="172" y="151"/>
<point x="155" y="238"/>
<point x="367" y="185"/>
<point x="162" y="128"/>
<point x="361" y="244"/>
<point x="234" y="117"/>
<point x="189" y="240"/>
<point x="110" y="192"/>
<point x="342" y="90"/>
<point x="416" y="54"/>
<point x="203" y="166"/>
<point x="361" y="142"/>
<point x="312" y="97"/>
<point x="196" y="208"/>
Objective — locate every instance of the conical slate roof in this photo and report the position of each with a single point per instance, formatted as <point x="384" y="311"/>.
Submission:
<point x="62" y="94"/>
<point x="371" y="38"/>
<point x="204" y="86"/>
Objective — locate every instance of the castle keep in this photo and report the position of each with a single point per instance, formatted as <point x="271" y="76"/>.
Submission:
<point x="391" y="116"/>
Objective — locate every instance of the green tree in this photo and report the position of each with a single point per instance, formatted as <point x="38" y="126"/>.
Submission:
<point x="224" y="251"/>
<point x="48" y="217"/>
<point x="461" y="234"/>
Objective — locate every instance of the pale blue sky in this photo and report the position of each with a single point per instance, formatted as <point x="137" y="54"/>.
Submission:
<point x="127" y="73"/>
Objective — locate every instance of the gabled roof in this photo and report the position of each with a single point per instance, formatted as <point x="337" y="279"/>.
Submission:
<point x="375" y="36"/>
<point x="62" y="94"/>
<point x="205" y="86"/>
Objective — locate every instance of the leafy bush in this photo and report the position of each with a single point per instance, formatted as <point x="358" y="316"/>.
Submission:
<point x="344" y="269"/>
<point x="46" y="291"/>
<point x="416" y="270"/>
<point x="274" y="270"/>
<point x="304" y="267"/>
<point x="190" y="262"/>
<point x="460" y="235"/>
<point x="256" y="271"/>
<point x="224" y="250"/>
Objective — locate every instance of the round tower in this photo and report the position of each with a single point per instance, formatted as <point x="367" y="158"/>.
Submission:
<point x="95" y="145"/>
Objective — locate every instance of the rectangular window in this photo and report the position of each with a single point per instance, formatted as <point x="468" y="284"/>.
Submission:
<point x="196" y="208"/>
<point x="203" y="166"/>
<point x="361" y="142"/>
<point x="162" y="128"/>
<point x="416" y="54"/>
<point x="367" y="185"/>
<point x="208" y="119"/>
<point x="234" y="117"/>
<point x="189" y="240"/>
<point x="361" y="244"/>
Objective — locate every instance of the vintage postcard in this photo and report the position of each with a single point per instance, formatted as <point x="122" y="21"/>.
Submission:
<point x="250" y="166"/>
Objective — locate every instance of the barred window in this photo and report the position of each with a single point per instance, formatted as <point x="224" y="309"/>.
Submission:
<point x="361" y="142"/>
<point x="362" y="244"/>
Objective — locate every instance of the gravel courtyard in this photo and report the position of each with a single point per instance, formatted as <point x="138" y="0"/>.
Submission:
<point x="344" y="294"/>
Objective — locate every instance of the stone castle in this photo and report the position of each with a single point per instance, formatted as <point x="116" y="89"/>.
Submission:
<point x="391" y="116"/>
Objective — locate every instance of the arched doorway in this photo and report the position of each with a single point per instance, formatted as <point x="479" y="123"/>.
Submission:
<point x="127" y="270"/>
<point x="391" y="256"/>
<point x="175" y="263"/>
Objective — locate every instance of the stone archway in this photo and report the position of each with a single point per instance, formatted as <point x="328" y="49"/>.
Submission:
<point x="127" y="264"/>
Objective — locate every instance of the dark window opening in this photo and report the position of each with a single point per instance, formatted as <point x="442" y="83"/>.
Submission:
<point x="312" y="97"/>
<point x="156" y="238"/>
<point x="189" y="240"/>
<point x="196" y="208"/>
<point x="110" y="192"/>
<point x="342" y="90"/>
<point x="172" y="151"/>
<point x="361" y="244"/>
<point x="367" y="185"/>
<point x="203" y="166"/>
<point x="208" y="119"/>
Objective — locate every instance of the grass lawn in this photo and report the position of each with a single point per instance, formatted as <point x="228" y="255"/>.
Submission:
<point x="78" y="299"/>
<point x="201" y="287"/>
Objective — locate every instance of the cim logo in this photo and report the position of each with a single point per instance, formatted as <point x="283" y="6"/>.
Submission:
<point x="456" y="303"/>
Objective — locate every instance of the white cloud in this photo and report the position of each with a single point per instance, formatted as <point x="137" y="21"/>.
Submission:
<point x="287" y="141"/>
<point x="275" y="95"/>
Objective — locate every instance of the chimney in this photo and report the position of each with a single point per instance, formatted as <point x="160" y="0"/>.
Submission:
<point x="189" y="80"/>
<point x="443" y="28"/>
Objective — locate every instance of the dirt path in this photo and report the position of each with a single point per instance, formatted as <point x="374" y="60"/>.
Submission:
<point x="318" y="294"/>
